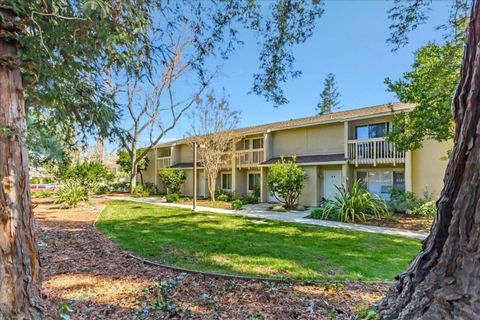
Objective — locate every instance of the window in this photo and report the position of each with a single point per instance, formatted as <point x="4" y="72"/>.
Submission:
<point x="163" y="152"/>
<point x="382" y="181"/>
<point x="376" y="130"/>
<point x="253" y="181"/>
<point x="257" y="143"/>
<point x="399" y="180"/>
<point x="227" y="181"/>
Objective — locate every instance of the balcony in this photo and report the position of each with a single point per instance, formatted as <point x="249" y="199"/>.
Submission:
<point x="163" y="162"/>
<point x="374" y="151"/>
<point x="248" y="158"/>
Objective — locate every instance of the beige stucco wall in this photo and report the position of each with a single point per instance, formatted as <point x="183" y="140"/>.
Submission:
<point x="187" y="186"/>
<point x="149" y="174"/>
<point x="323" y="139"/>
<point x="309" y="194"/>
<point x="239" y="183"/>
<point x="185" y="153"/>
<point x="428" y="166"/>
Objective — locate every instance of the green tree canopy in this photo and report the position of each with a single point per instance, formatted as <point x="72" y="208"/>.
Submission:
<point x="329" y="96"/>
<point x="125" y="162"/>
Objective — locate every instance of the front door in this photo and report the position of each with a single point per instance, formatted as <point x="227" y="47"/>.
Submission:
<point x="332" y="179"/>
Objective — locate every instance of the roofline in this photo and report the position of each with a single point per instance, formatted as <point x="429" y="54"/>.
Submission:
<point x="265" y="129"/>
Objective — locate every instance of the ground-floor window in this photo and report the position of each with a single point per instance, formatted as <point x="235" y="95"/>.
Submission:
<point x="227" y="181"/>
<point x="253" y="181"/>
<point x="382" y="181"/>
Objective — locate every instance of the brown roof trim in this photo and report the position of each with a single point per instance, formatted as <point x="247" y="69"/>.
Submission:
<point x="185" y="165"/>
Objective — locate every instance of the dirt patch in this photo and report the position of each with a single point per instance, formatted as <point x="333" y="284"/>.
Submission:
<point x="86" y="276"/>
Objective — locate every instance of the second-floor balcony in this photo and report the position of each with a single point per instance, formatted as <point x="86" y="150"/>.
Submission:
<point x="163" y="162"/>
<point x="374" y="151"/>
<point x="248" y="158"/>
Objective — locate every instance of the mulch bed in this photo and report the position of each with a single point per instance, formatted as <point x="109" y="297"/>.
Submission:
<point x="403" y="221"/>
<point x="86" y="276"/>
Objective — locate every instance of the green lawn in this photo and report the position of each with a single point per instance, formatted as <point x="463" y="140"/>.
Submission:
<point x="238" y="245"/>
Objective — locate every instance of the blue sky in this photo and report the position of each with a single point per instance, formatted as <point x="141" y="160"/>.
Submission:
<point x="349" y="41"/>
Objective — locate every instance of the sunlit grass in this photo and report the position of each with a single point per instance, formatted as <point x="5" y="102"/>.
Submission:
<point x="238" y="245"/>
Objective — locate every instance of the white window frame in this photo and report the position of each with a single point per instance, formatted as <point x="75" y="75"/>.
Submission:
<point x="231" y="180"/>
<point x="248" y="178"/>
<point x="378" y="170"/>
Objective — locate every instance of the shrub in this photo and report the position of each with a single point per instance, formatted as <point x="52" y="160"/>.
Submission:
<point x="223" y="197"/>
<point x="152" y="188"/>
<point x="286" y="178"/>
<point x="71" y="194"/>
<point x="300" y="208"/>
<point x="89" y="175"/>
<point x="404" y="201"/>
<point x="316" y="214"/>
<point x="357" y="204"/>
<point x="103" y="189"/>
<point x="141" y="191"/>
<point x="42" y="194"/>
<point x="224" y="194"/>
<point x="237" y="204"/>
<point x="120" y="187"/>
<point x="250" y="199"/>
<point x="172" y="179"/>
<point x="172" y="197"/>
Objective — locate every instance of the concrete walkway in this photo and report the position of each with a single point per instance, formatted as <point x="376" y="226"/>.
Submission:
<point x="260" y="211"/>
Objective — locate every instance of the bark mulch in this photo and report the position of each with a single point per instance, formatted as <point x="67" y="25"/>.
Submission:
<point x="86" y="276"/>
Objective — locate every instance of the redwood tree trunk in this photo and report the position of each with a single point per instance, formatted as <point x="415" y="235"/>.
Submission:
<point x="19" y="264"/>
<point x="443" y="281"/>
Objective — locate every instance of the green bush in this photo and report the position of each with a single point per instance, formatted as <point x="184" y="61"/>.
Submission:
<point x="223" y="197"/>
<point x="300" y="208"/>
<point x="172" y="179"/>
<point x="223" y="194"/>
<point x="286" y="178"/>
<point x="103" y="189"/>
<point x="152" y="188"/>
<point x="357" y="204"/>
<point x="89" y="175"/>
<point x="141" y="191"/>
<point x="250" y="199"/>
<point x="316" y="214"/>
<point x="172" y="197"/>
<point x="237" y="204"/>
<point x="120" y="187"/>
<point x="42" y="194"/>
<point x="71" y="194"/>
<point x="404" y="201"/>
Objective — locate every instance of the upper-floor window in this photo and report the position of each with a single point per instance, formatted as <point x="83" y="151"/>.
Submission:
<point x="163" y="152"/>
<point x="256" y="143"/>
<point x="368" y="131"/>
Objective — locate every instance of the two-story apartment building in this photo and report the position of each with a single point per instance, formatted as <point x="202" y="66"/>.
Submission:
<point x="334" y="149"/>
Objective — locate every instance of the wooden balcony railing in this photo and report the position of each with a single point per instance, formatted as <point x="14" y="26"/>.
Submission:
<point x="248" y="158"/>
<point x="164" y="162"/>
<point x="374" y="151"/>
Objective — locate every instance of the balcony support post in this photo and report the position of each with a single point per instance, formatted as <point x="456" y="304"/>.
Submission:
<point x="408" y="171"/>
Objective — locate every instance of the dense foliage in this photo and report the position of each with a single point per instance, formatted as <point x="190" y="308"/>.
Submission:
<point x="354" y="205"/>
<point x="125" y="162"/>
<point x="408" y="202"/>
<point x="89" y="174"/>
<point x="430" y="85"/>
<point x="172" y="179"/>
<point x="237" y="204"/>
<point x="285" y="180"/>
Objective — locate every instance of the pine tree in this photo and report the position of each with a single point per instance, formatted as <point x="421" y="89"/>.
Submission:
<point x="329" y="96"/>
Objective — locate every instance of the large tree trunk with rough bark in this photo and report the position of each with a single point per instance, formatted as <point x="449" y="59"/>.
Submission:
<point x="443" y="281"/>
<point x="19" y="264"/>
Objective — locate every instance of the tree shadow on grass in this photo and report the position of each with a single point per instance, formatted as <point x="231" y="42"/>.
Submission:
<point x="236" y="245"/>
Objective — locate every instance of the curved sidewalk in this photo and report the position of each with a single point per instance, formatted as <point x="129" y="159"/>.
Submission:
<point x="254" y="211"/>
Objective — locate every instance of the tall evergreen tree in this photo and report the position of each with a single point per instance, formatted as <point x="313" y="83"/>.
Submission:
<point x="329" y="96"/>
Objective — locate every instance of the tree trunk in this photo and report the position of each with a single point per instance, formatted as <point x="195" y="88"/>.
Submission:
<point x="443" y="281"/>
<point x="19" y="265"/>
<point x="133" y="171"/>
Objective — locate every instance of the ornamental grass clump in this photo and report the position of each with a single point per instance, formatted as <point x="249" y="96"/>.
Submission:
<point x="354" y="205"/>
